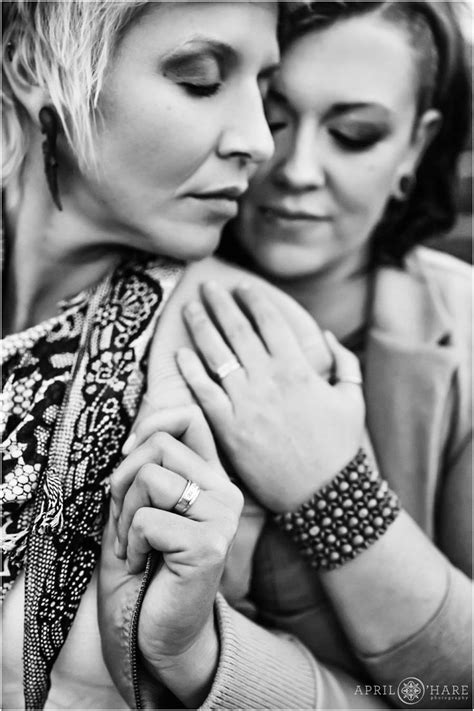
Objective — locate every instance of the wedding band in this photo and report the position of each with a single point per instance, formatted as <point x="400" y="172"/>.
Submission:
<point x="353" y="379"/>
<point x="227" y="368"/>
<point x="190" y="493"/>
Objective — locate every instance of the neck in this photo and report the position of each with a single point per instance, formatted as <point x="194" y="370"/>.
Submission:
<point x="51" y="254"/>
<point x="337" y="299"/>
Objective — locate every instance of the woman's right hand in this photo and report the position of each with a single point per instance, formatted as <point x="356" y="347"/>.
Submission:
<point x="176" y="634"/>
<point x="285" y="430"/>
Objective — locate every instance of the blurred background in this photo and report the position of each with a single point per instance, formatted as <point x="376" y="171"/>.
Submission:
<point x="459" y="242"/>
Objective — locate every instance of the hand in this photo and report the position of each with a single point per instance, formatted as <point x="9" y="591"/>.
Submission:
<point x="284" y="428"/>
<point x="176" y="628"/>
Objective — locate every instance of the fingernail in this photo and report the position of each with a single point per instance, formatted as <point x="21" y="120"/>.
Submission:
<point x="114" y="509"/>
<point x="129" y="442"/>
<point x="118" y="548"/>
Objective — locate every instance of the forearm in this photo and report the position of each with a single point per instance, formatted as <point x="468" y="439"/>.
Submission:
<point x="406" y="609"/>
<point x="440" y="653"/>
<point x="389" y="591"/>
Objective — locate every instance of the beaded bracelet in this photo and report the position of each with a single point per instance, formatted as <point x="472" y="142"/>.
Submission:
<point x="344" y="517"/>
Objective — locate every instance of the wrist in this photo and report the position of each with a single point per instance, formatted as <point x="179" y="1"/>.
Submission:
<point x="344" y="517"/>
<point x="190" y="674"/>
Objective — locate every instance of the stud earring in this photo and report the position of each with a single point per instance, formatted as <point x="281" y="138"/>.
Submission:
<point x="405" y="187"/>
<point x="49" y="122"/>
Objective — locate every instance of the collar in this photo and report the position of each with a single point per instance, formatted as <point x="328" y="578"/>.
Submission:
<point x="408" y="302"/>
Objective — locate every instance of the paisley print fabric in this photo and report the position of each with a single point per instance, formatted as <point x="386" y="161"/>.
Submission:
<point x="71" y="389"/>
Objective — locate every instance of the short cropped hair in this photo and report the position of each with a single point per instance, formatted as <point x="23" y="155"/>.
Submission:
<point x="440" y="50"/>
<point x="66" y="48"/>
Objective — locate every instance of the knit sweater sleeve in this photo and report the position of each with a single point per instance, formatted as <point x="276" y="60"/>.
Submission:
<point x="263" y="669"/>
<point x="440" y="654"/>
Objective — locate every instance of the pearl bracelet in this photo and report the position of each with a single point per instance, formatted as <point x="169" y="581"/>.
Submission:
<point x="344" y="517"/>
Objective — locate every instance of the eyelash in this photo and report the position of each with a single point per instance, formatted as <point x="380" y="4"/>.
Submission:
<point x="201" y="90"/>
<point x="354" y="144"/>
<point x="276" y="126"/>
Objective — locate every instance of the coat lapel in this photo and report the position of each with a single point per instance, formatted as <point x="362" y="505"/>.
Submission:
<point x="410" y="367"/>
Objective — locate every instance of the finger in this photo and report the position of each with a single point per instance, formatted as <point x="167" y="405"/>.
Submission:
<point x="215" y="403"/>
<point x="274" y="330"/>
<point x="235" y="326"/>
<point x="157" y="487"/>
<point x="346" y="365"/>
<point x="154" y="529"/>
<point x="163" y="449"/>
<point x="185" y="423"/>
<point x="211" y="345"/>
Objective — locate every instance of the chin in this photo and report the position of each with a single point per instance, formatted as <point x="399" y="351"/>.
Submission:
<point x="278" y="265"/>
<point x="188" y="242"/>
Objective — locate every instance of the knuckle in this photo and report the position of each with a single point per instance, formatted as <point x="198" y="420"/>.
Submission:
<point x="214" y="545"/>
<point x="195" y="413"/>
<point x="263" y="310"/>
<point x="144" y="474"/>
<point x="159" y="440"/>
<point x="139" y="523"/>
<point x="237" y="329"/>
<point x="236" y="499"/>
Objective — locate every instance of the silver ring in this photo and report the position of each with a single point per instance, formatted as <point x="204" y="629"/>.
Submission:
<point x="227" y="368"/>
<point x="353" y="379"/>
<point x="190" y="493"/>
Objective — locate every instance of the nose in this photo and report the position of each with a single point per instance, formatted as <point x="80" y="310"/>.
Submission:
<point x="299" y="163"/>
<point x="247" y="134"/>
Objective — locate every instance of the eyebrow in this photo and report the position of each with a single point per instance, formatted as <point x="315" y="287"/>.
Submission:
<point x="200" y="44"/>
<point x="344" y="108"/>
<point x="337" y="109"/>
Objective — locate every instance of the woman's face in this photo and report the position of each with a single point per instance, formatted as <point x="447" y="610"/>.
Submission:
<point x="342" y="111"/>
<point x="183" y="125"/>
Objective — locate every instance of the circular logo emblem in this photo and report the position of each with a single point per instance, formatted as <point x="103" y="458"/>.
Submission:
<point x="411" y="690"/>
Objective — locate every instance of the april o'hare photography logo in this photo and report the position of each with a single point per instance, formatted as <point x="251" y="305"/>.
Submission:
<point x="410" y="690"/>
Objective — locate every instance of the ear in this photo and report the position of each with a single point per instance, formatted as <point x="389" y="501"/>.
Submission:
<point x="31" y="96"/>
<point x="424" y="132"/>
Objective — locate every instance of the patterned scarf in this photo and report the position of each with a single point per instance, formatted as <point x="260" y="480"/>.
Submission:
<point x="71" y="390"/>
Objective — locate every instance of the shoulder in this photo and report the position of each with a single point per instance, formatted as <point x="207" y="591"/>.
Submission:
<point x="230" y="276"/>
<point x="450" y="276"/>
<point x="441" y="267"/>
<point x="449" y="281"/>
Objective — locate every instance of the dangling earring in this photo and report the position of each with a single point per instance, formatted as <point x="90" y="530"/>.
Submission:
<point x="405" y="187"/>
<point x="49" y="122"/>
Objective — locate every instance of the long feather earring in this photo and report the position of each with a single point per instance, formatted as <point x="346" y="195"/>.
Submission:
<point x="49" y="122"/>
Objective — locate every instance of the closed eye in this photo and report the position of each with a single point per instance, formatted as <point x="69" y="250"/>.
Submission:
<point x="354" y="142"/>
<point x="201" y="90"/>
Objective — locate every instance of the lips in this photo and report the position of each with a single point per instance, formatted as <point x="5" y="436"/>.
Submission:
<point x="221" y="203"/>
<point x="281" y="212"/>
<point x="233" y="192"/>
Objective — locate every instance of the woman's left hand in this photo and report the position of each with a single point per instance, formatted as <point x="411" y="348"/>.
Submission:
<point x="176" y="634"/>
<point x="285" y="430"/>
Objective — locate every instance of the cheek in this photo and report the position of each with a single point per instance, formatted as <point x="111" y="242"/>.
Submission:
<point x="165" y="138"/>
<point x="365" y="186"/>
